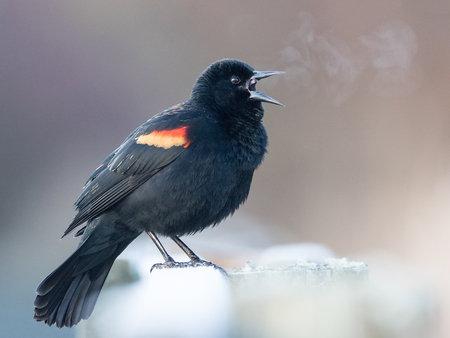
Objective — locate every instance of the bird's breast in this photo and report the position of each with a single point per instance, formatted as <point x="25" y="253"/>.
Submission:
<point x="199" y="189"/>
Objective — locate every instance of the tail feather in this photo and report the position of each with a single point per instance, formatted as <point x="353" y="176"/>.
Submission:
<point x="92" y="294"/>
<point x="64" y="305"/>
<point x="54" y="278"/>
<point x="76" y="303"/>
<point x="94" y="262"/>
<point x="45" y="302"/>
<point x="52" y="298"/>
<point x="70" y="292"/>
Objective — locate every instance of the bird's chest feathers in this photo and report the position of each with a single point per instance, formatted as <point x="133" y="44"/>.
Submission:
<point x="247" y="144"/>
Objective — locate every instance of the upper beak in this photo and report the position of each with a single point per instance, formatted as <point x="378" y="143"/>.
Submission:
<point x="254" y="95"/>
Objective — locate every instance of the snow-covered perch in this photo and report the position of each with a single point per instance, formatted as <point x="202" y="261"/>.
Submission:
<point x="298" y="277"/>
<point x="201" y="302"/>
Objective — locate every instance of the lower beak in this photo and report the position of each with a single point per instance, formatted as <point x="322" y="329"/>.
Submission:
<point x="257" y="96"/>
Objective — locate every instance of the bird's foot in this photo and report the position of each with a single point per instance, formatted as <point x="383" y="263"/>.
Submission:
<point x="201" y="262"/>
<point x="194" y="263"/>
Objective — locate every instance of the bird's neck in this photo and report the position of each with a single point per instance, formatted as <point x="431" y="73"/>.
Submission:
<point x="248" y="140"/>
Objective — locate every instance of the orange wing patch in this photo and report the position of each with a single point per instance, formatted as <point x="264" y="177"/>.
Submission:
<point x="165" y="138"/>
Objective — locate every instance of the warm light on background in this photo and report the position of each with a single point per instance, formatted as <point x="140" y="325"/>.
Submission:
<point x="359" y="159"/>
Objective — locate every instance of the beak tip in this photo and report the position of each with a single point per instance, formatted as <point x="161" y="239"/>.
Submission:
<point x="257" y="96"/>
<point x="262" y="75"/>
<point x="254" y="95"/>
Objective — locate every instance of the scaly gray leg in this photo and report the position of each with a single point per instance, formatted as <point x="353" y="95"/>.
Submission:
<point x="195" y="260"/>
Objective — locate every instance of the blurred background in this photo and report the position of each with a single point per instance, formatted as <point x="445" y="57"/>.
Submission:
<point x="359" y="159"/>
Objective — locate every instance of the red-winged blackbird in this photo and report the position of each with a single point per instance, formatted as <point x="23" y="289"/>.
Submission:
<point x="185" y="169"/>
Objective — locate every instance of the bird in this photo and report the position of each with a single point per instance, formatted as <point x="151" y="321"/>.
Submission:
<point x="185" y="169"/>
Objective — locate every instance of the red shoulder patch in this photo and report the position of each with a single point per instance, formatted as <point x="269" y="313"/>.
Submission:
<point x="165" y="138"/>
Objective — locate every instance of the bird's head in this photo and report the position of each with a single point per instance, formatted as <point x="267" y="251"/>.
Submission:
<point x="229" y="87"/>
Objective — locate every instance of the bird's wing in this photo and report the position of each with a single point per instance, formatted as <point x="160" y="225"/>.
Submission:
<point x="150" y="148"/>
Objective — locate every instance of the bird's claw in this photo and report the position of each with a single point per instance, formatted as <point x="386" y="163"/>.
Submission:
<point x="191" y="264"/>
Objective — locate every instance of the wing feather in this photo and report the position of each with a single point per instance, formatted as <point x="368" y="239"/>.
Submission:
<point x="130" y="165"/>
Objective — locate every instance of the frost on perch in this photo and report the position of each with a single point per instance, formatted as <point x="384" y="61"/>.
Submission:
<point x="201" y="302"/>
<point x="298" y="277"/>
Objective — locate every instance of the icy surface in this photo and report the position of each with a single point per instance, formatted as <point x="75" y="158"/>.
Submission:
<point x="328" y="298"/>
<point x="183" y="302"/>
<point x="251" y="280"/>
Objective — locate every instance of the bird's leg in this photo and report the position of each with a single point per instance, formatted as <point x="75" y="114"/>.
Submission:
<point x="186" y="249"/>
<point x="169" y="261"/>
<point x="195" y="260"/>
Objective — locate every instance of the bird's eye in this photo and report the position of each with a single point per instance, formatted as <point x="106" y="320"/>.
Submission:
<point x="235" y="80"/>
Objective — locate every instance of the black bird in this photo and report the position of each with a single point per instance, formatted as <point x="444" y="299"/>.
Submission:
<point x="185" y="169"/>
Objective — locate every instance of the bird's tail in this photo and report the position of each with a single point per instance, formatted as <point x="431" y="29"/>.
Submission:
<point x="70" y="292"/>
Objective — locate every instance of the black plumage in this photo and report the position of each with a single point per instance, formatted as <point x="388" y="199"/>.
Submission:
<point x="185" y="169"/>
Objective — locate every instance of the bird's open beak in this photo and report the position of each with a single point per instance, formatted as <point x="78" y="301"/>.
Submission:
<point x="251" y="85"/>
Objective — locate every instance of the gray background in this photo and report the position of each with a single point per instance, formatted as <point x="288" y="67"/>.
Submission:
<point x="358" y="160"/>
